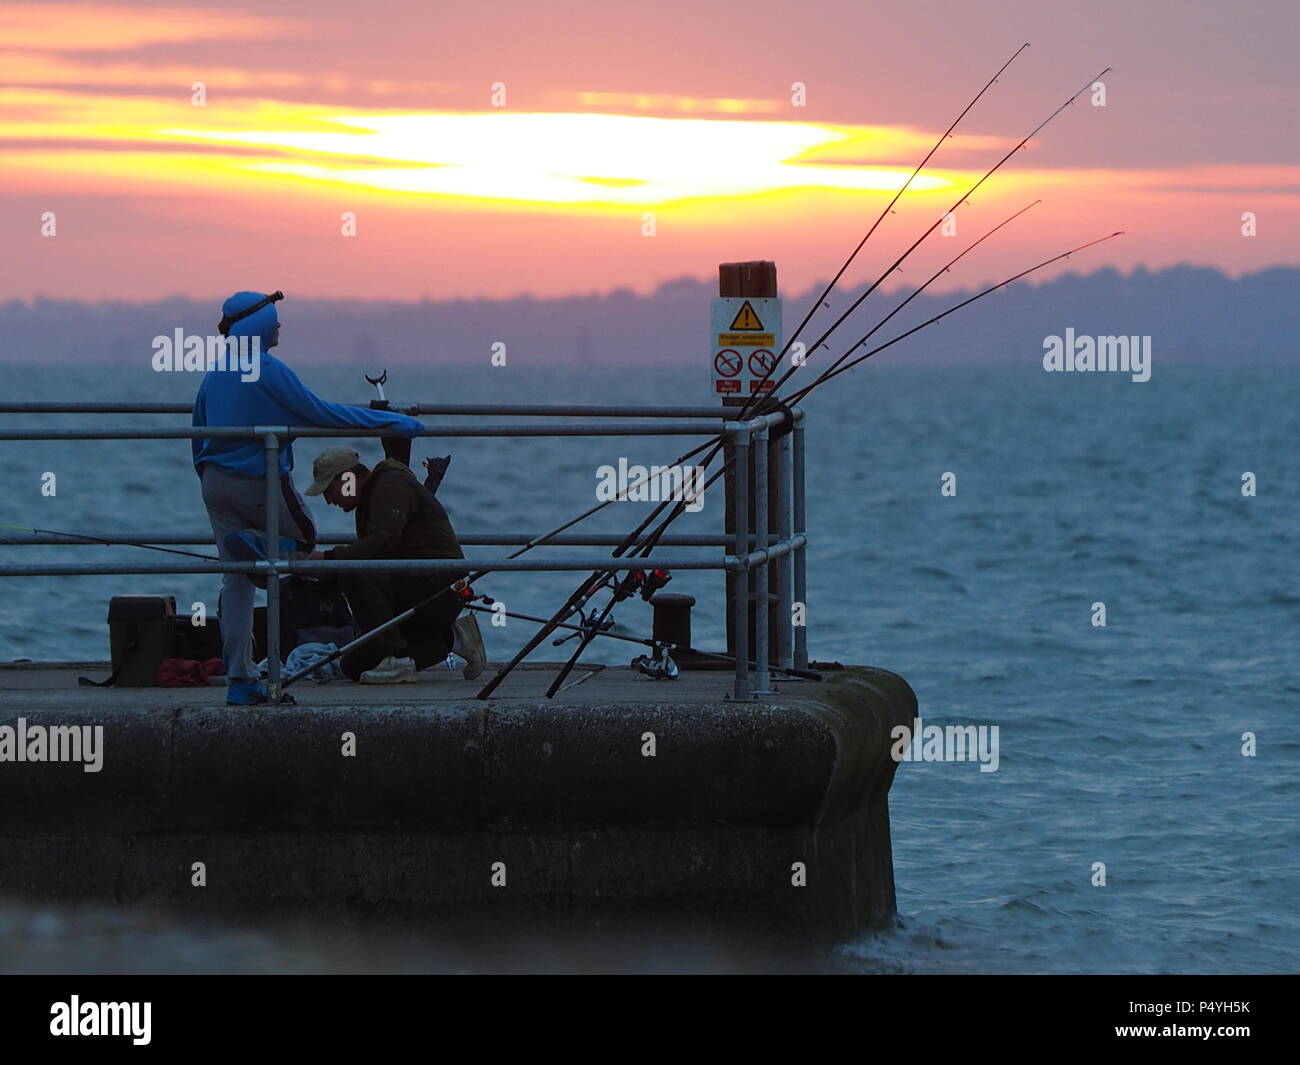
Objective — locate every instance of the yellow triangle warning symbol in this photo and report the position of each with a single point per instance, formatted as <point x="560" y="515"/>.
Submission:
<point x="746" y="320"/>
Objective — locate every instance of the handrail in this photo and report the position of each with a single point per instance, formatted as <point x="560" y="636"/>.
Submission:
<point x="385" y="565"/>
<point x="493" y="410"/>
<point x="290" y="432"/>
<point x="751" y="442"/>
<point x="476" y="539"/>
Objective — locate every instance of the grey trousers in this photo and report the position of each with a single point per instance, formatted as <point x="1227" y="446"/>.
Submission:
<point x="236" y="503"/>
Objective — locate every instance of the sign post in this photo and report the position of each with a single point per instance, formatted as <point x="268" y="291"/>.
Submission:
<point x="747" y="337"/>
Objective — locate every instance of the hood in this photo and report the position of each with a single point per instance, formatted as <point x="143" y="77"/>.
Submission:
<point x="261" y="325"/>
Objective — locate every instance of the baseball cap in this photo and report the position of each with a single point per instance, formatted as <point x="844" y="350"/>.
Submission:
<point x="329" y="464"/>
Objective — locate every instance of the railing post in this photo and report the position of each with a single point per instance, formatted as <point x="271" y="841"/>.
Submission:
<point x="800" y="556"/>
<point x="740" y="586"/>
<point x="762" y="664"/>
<point x="273" y="577"/>
<point x="783" y="446"/>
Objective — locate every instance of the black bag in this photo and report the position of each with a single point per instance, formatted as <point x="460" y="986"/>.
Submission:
<point x="198" y="643"/>
<point x="310" y="612"/>
<point x="140" y="631"/>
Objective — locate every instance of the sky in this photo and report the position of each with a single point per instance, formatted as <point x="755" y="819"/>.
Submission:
<point x="430" y="150"/>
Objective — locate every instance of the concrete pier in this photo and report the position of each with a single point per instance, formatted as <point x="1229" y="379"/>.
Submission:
<point x="625" y="803"/>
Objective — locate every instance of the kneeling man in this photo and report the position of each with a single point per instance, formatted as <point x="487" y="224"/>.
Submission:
<point x="397" y="517"/>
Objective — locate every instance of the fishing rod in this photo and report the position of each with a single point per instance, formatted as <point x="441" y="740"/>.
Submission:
<point x="951" y="310"/>
<point x="598" y="578"/>
<point x="789" y="671"/>
<point x="798" y="397"/>
<point x="581" y="595"/>
<point x="108" y="543"/>
<point x="813" y="307"/>
<point x="462" y="586"/>
<point x="644" y="642"/>
<point x="937" y="222"/>
<point x="659" y="533"/>
<point x="568" y="666"/>
<point x="935" y="276"/>
<point x="825" y="375"/>
<point x="471" y="602"/>
<point x="648" y="545"/>
<point x="759" y="389"/>
<point x="659" y="665"/>
<point x="889" y="207"/>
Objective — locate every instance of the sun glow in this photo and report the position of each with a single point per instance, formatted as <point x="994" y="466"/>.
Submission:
<point x="558" y="158"/>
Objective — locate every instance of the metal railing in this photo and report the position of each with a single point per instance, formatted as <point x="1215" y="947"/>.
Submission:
<point x="756" y="452"/>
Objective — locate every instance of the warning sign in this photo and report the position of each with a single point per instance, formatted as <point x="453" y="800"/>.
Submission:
<point x="746" y="340"/>
<point x="746" y="319"/>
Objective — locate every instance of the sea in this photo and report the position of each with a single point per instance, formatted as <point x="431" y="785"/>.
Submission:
<point x="967" y="527"/>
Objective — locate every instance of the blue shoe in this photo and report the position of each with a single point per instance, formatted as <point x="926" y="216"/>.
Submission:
<point x="245" y="693"/>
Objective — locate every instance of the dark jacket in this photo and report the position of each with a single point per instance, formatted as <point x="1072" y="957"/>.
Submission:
<point x="397" y="517"/>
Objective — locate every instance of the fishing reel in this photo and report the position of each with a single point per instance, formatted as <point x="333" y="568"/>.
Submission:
<point x="633" y="582"/>
<point x="659" y="665"/>
<point x="586" y="626"/>
<point x="637" y="581"/>
<point x="653" y="581"/>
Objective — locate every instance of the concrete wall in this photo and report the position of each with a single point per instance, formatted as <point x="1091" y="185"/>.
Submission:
<point x="700" y="839"/>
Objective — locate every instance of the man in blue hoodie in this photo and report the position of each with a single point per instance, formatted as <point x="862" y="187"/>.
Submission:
<point x="232" y="470"/>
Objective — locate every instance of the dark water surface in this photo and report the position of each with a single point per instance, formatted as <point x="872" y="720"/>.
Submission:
<point x="1119" y="744"/>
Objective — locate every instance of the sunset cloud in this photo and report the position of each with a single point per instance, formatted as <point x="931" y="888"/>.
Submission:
<point x="58" y="27"/>
<point x="614" y="114"/>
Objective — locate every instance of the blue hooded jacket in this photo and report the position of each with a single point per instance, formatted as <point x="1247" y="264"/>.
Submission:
<point x="277" y="397"/>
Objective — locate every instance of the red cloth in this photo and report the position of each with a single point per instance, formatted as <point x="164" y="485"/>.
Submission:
<point x="187" y="673"/>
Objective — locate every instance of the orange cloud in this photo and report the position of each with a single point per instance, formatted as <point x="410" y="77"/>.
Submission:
<point x="664" y="103"/>
<point x="30" y="70"/>
<point x="60" y="27"/>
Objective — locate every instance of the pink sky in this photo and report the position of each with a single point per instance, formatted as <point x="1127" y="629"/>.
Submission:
<point x="615" y="110"/>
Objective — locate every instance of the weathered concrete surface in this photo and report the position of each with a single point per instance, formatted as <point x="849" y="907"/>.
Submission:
<point x="701" y="838"/>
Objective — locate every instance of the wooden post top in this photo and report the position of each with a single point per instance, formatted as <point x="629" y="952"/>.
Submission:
<point x="757" y="279"/>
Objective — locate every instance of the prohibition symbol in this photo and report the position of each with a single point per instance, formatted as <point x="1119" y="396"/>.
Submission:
<point x="761" y="362"/>
<point x="727" y="363"/>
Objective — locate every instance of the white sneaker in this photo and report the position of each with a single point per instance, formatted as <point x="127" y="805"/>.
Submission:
<point x="469" y="645"/>
<point x="391" y="671"/>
